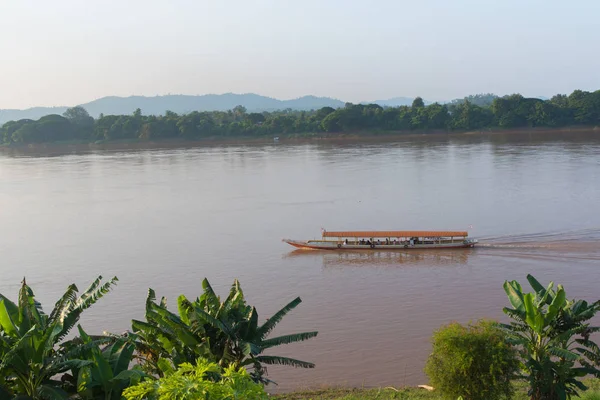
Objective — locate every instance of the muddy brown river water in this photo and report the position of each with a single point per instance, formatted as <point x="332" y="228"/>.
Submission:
<point x="167" y="218"/>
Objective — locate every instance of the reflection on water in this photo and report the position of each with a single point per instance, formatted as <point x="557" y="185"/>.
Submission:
<point x="166" y="217"/>
<point x="413" y="258"/>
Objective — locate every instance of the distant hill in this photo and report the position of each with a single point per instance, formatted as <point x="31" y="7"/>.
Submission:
<point x="395" y="102"/>
<point x="209" y="102"/>
<point x="181" y="104"/>
<point x="178" y="103"/>
<point x="30" y="113"/>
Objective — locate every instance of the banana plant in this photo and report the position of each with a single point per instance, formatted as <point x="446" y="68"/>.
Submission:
<point x="226" y="333"/>
<point x="29" y="340"/>
<point x="553" y="335"/>
<point x="108" y="374"/>
<point x="164" y="340"/>
<point x="233" y="332"/>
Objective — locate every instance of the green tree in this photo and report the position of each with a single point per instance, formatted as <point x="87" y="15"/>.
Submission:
<point x="82" y="122"/>
<point x="29" y="340"/>
<point x="466" y="116"/>
<point x="226" y="332"/>
<point x="25" y="133"/>
<point x="323" y="112"/>
<point x="79" y="117"/>
<point x="585" y="107"/>
<point x="418" y="103"/>
<point x="255" y="118"/>
<point x="473" y="112"/>
<point x="437" y="116"/>
<point x="331" y="123"/>
<point x="8" y="129"/>
<point x="239" y="112"/>
<point x="108" y="373"/>
<point x="553" y="335"/>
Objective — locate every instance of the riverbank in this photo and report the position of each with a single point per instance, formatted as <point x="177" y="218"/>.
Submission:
<point x="409" y="393"/>
<point x="357" y="136"/>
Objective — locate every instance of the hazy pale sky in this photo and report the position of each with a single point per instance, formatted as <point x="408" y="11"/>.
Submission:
<point x="70" y="52"/>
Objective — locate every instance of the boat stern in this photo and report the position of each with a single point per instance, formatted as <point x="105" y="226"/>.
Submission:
<point x="470" y="242"/>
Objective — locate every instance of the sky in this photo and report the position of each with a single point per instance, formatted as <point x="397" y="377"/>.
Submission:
<point x="63" y="53"/>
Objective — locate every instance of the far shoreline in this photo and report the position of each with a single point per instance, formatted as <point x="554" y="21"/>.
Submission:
<point x="321" y="137"/>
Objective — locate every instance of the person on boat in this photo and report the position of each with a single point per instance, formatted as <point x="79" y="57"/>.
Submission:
<point x="387" y="241"/>
<point x="412" y="242"/>
<point x="346" y="242"/>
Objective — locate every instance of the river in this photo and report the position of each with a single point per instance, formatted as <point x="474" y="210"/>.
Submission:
<point x="166" y="218"/>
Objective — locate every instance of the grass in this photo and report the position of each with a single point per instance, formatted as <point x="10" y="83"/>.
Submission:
<point x="360" y="394"/>
<point x="593" y="393"/>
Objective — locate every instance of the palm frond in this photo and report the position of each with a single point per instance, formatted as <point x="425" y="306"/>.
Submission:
<point x="590" y="355"/>
<point x="209" y="297"/>
<point x="50" y="335"/>
<point x="563" y="353"/>
<point x="27" y="308"/>
<point x="515" y="294"/>
<point x="207" y="317"/>
<point x="286" y="339"/>
<point x="176" y="325"/>
<point x="568" y="334"/>
<point x="589" y="344"/>
<point x="62" y="306"/>
<point x="276" y="360"/>
<point x="518" y="315"/>
<point x="95" y="292"/>
<point x="57" y="367"/>
<point x="20" y="344"/>
<point x="182" y="310"/>
<point x="235" y="294"/>
<point x="148" y="328"/>
<point x="12" y="308"/>
<point x="151" y="298"/>
<point x="8" y="320"/>
<point x="50" y="392"/>
<point x="121" y="356"/>
<point x="269" y="325"/>
<point x="92" y="294"/>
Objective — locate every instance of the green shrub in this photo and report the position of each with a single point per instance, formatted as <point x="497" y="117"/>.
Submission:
<point x="590" y="395"/>
<point x="472" y="361"/>
<point x="205" y="380"/>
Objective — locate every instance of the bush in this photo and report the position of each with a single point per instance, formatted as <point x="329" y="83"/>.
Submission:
<point x="472" y="361"/>
<point x="205" y="380"/>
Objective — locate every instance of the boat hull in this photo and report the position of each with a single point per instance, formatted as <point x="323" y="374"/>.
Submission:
<point x="334" y="246"/>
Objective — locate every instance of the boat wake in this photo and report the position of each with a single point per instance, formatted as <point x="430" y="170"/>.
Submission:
<point x="582" y="244"/>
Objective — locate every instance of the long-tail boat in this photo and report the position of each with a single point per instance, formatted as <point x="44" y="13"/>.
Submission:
<point x="386" y="240"/>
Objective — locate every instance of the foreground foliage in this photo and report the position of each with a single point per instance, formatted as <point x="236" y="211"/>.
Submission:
<point x="472" y="361"/>
<point x="225" y="332"/>
<point x="472" y="113"/>
<point x="553" y="335"/>
<point x="108" y="373"/>
<point x="29" y="340"/>
<point x="204" y="380"/>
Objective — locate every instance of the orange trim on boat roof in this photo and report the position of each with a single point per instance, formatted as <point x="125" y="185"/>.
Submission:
<point x="369" y="234"/>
